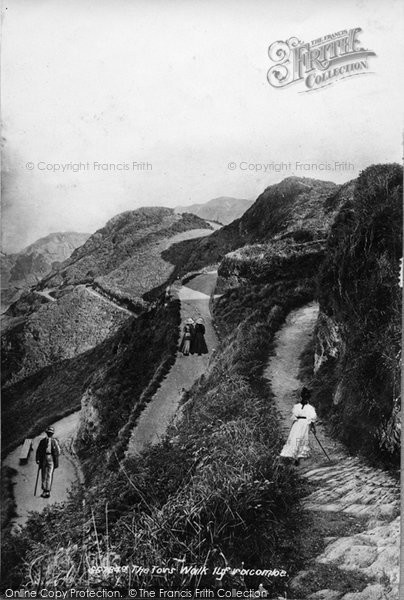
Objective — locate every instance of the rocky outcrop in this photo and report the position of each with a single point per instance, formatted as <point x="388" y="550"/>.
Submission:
<point x="328" y="340"/>
<point x="282" y="259"/>
<point x="90" y="422"/>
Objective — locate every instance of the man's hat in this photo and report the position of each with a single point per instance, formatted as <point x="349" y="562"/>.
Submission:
<point x="50" y="430"/>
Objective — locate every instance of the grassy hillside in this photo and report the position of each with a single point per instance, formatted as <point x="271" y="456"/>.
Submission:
<point x="128" y="242"/>
<point x="298" y="208"/>
<point x="358" y="384"/>
<point x="133" y="367"/>
<point x="57" y="331"/>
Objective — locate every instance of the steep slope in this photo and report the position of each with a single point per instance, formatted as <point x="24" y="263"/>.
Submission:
<point x="223" y="210"/>
<point x="358" y="341"/>
<point x="22" y="270"/>
<point x="57" y="331"/>
<point x="129" y="243"/>
<point x="298" y="209"/>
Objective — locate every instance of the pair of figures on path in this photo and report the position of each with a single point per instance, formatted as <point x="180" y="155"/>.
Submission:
<point x="193" y="338"/>
<point x="47" y="457"/>
<point x="303" y="416"/>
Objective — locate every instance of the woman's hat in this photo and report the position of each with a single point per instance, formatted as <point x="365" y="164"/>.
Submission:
<point x="200" y="320"/>
<point x="190" y="321"/>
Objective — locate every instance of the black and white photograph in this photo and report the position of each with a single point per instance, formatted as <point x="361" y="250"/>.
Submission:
<point x="201" y="299"/>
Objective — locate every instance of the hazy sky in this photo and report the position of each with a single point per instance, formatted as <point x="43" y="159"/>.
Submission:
<point x="180" y="84"/>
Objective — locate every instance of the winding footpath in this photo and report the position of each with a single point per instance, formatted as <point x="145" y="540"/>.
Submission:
<point x="194" y="298"/>
<point x="163" y="408"/>
<point x="69" y="472"/>
<point x="343" y="485"/>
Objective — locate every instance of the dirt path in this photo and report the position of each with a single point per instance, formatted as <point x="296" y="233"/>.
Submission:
<point x="93" y="292"/>
<point x="153" y="421"/>
<point x="46" y="294"/>
<point x="161" y="247"/>
<point x="345" y="486"/>
<point x="67" y="473"/>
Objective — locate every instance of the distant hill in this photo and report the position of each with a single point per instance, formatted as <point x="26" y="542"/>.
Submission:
<point x="222" y="210"/>
<point x="124" y="257"/>
<point x="24" y="269"/>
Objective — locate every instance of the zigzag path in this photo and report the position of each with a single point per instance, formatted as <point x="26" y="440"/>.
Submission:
<point x="194" y="297"/>
<point x="195" y="302"/>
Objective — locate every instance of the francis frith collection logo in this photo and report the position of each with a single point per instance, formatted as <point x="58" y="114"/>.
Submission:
<point x="318" y="63"/>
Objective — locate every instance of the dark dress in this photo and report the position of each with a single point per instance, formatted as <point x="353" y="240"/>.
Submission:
<point x="198" y="345"/>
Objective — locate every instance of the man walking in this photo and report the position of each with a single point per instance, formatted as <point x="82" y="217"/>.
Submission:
<point x="47" y="457"/>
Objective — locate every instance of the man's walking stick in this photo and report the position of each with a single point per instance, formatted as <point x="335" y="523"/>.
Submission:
<point x="319" y="443"/>
<point x="37" y="477"/>
<point x="51" y="481"/>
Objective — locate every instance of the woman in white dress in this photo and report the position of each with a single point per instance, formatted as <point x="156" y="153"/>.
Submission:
<point x="303" y="416"/>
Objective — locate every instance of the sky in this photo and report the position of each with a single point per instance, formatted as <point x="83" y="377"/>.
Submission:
<point x="180" y="88"/>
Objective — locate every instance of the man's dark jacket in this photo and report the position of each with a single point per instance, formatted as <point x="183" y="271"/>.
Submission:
<point x="41" y="451"/>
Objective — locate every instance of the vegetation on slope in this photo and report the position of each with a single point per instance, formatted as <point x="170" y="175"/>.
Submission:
<point x="7" y="503"/>
<point x="359" y="387"/>
<point x="56" y="332"/>
<point x="135" y="362"/>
